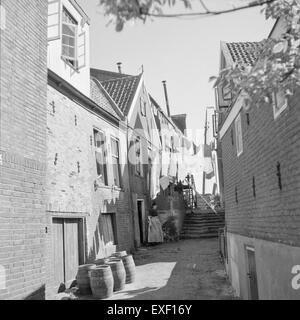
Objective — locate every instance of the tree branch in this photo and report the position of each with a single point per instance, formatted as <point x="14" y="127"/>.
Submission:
<point x="209" y="12"/>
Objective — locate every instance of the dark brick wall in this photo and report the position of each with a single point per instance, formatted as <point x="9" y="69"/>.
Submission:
<point x="274" y="213"/>
<point x="23" y="83"/>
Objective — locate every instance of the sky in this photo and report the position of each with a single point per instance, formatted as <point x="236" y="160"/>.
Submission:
<point x="184" y="52"/>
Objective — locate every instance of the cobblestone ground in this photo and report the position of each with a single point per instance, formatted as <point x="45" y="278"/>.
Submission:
<point x="187" y="269"/>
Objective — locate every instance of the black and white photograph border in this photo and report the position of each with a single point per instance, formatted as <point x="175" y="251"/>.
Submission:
<point x="149" y="151"/>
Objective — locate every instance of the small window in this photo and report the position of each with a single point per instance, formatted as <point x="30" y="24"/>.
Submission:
<point x="116" y="162"/>
<point x="279" y="103"/>
<point x="138" y="163"/>
<point x="69" y="38"/>
<point x="238" y="135"/>
<point x="100" y="154"/>
<point x="143" y="106"/>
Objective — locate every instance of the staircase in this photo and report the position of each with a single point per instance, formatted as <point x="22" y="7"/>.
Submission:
<point x="202" y="223"/>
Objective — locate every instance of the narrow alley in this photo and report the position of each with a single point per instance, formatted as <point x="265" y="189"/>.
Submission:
<point x="183" y="270"/>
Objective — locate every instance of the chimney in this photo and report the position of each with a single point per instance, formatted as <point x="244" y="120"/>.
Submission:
<point x="119" y="64"/>
<point x="166" y="96"/>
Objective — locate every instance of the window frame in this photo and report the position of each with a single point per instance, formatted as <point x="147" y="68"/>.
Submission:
<point x="277" y="111"/>
<point x="103" y="151"/>
<point x="143" y="105"/>
<point x="139" y="162"/>
<point x="73" y="62"/>
<point x="114" y="139"/>
<point x="239" y="134"/>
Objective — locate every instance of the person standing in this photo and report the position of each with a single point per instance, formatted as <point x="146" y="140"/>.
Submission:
<point x="155" y="232"/>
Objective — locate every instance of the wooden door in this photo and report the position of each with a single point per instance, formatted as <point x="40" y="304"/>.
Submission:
<point x="58" y="252"/>
<point x="140" y="208"/>
<point x="252" y="277"/>
<point x="108" y="229"/>
<point x="67" y="247"/>
<point x="71" y="243"/>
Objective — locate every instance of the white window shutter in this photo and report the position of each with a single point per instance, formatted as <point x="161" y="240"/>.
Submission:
<point x="81" y="50"/>
<point x="54" y="18"/>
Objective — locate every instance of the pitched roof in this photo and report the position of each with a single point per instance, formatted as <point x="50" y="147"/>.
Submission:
<point x="98" y="97"/>
<point x="120" y="87"/>
<point x="245" y="52"/>
<point x="180" y="121"/>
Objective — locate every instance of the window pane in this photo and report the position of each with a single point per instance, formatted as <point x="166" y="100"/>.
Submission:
<point x="115" y="147"/>
<point x="116" y="168"/>
<point x="68" y="40"/>
<point x="68" y="30"/>
<point x="280" y="100"/>
<point x="99" y="139"/>
<point x="67" y="17"/>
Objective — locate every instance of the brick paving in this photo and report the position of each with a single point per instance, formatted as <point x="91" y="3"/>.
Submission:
<point x="187" y="269"/>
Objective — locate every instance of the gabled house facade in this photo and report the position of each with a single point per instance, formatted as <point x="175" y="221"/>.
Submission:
<point x="130" y="95"/>
<point x="260" y="185"/>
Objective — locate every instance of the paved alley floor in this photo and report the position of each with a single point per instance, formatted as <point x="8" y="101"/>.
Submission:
<point x="187" y="269"/>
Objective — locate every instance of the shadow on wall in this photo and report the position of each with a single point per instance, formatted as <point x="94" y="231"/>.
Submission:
<point x="38" y="294"/>
<point x="105" y="239"/>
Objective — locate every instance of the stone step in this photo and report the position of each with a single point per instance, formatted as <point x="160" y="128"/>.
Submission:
<point x="199" y="236"/>
<point x="200" y="228"/>
<point x="200" y="222"/>
<point x="195" y="229"/>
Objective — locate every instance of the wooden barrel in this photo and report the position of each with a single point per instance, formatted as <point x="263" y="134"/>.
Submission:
<point x="129" y="266"/>
<point x="101" y="261"/>
<point x="83" y="280"/>
<point x="119" y="273"/>
<point x="101" y="281"/>
<point x="119" y="254"/>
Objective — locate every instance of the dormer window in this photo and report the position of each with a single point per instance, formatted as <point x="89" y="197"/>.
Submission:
<point x="69" y="36"/>
<point x="67" y="26"/>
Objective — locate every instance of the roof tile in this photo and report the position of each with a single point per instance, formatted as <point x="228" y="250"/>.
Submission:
<point x="245" y="52"/>
<point x="121" y="87"/>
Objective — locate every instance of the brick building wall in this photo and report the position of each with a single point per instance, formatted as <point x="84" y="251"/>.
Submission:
<point x="273" y="214"/>
<point x="71" y="192"/>
<point x="267" y="221"/>
<point x="23" y="83"/>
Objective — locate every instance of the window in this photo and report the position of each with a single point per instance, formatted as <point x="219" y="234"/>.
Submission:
<point x="279" y="103"/>
<point x="63" y="26"/>
<point x="143" y="105"/>
<point x="109" y="229"/>
<point x="138" y="155"/>
<point x="238" y="135"/>
<point x="69" y="36"/>
<point x="100" y="154"/>
<point x="116" y="161"/>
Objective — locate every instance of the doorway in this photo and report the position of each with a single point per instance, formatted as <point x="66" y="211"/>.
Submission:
<point x="67" y="248"/>
<point x="251" y="274"/>
<point x="141" y="215"/>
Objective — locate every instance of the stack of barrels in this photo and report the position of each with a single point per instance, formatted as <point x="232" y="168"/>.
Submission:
<point x="106" y="275"/>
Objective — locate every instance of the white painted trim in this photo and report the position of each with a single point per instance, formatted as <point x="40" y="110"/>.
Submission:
<point x="276" y="113"/>
<point x="137" y="94"/>
<point x="238" y="137"/>
<point x="237" y="106"/>
<point x="250" y="248"/>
